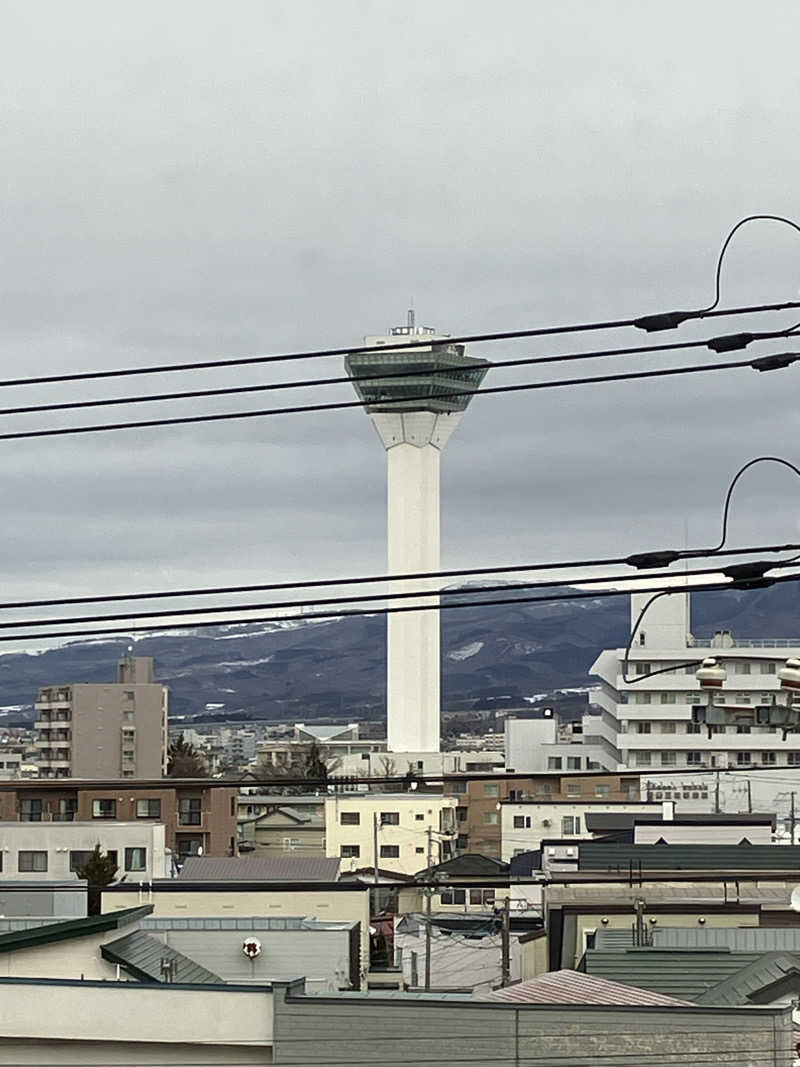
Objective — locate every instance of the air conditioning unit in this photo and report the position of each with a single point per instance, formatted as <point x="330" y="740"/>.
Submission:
<point x="546" y="822"/>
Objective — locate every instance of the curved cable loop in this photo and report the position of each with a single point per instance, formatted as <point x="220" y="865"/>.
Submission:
<point x="636" y="625"/>
<point x="732" y="486"/>
<point x="724" y="249"/>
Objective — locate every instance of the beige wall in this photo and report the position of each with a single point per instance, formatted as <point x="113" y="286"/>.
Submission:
<point x="77" y="957"/>
<point x="350" y="905"/>
<point x="98" y="718"/>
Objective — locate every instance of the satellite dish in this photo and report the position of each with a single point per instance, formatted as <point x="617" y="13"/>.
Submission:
<point x="795" y="899"/>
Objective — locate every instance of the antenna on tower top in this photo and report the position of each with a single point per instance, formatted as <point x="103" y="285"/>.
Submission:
<point x="411" y="316"/>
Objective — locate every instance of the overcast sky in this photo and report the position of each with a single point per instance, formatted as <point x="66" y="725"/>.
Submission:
<point x="192" y="180"/>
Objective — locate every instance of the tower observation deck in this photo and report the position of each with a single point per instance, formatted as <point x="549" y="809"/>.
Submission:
<point x="414" y="413"/>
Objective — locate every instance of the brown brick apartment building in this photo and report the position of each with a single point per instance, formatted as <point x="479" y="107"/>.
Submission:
<point x="196" y="812"/>
<point x="478" y="815"/>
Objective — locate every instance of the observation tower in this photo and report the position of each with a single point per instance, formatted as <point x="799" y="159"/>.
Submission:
<point x="415" y="398"/>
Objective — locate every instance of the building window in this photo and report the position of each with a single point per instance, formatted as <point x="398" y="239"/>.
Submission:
<point x="573" y="789"/>
<point x="669" y="698"/>
<point x="78" y="858"/>
<point x="350" y="818"/>
<point x="742" y="729"/>
<point x="793" y="759"/>
<point x="642" y="727"/>
<point x="350" y="852"/>
<point x="419" y="850"/>
<point x="190" y="811"/>
<point x="743" y="758"/>
<point x="601" y="790"/>
<point x="554" y="763"/>
<point x="490" y="818"/>
<point x="390" y="818"/>
<point x="453" y="896"/>
<point x="573" y="763"/>
<point x="30" y="809"/>
<point x="484" y="897"/>
<point x="461" y="815"/>
<point x="291" y="844"/>
<point x="420" y="816"/>
<point x="668" y="728"/>
<point x="694" y="758"/>
<point x="491" y="789"/>
<point x="669" y="759"/>
<point x="390" y="852"/>
<point x="570" y="825"/>
<point x="462" y="841"/>
<point x="642" y="759"/>
<point x="641" y="668"/>
<point x="768" y="758"/>
<point x="32" y="862"/>
<point x="148" y="809"/>
<point x="522" y="821"/>
<point x="768" y="668"/>
<point x="458" y="788"/>
<point x="741" y="666"/>
<point x="641" y="698"/>
<point x="135" y="859"/>
<point x="693" y="728"/>
<point x="104" y="809"/>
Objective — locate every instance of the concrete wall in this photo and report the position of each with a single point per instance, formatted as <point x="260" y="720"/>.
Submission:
<point x="23" y="899"/>
<point x="58" y="839"/>
<point x="77" y="957"/>
<point x="125" y="1023"/>
<point x="704" y="834"/>
<point x="425" y="1032"/>
<point x="350" y="905"/>
<point x="546" y="821"/>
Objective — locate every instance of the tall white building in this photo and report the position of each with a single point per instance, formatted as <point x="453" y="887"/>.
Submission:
<point x="414" y="418"/>
<point x="656" y="730"/>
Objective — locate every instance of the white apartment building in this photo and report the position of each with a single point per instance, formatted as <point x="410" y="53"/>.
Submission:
<point x="52" y="851"/>
<point x="398" y="823"/>
<point x="656" y="731"/>
<point x="524" y="824"/>
<point x="541" y="742"/>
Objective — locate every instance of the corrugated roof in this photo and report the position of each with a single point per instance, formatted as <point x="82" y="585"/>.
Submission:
<point x="256" y="922"/>
<point x="736" y="938"/>
<point x="748" y="982"/>
<point x="48" y="932"/>
<point x="678" y="973"/>
<point x="600" y="856"/>
<point x="259" y="869"/>
<point x="141" y="955"/>
<point x="575" y="987"/>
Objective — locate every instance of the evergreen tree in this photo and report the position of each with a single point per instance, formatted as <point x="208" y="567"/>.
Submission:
<point x="99" y="870"/>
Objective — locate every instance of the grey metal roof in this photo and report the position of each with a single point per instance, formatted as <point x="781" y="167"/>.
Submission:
<point x="766" y="971"/>
<point x="736" y="938"/>
<point x="575" y="987"/>
<point x="260" y="869"/>
<point x="202" y="922"/>
<point x="64" y="930"/>
<point x="684" y="974"/>
<point x="467" y="865"/>
<point x="141" y="955"/>
<point x="600" y="856"/>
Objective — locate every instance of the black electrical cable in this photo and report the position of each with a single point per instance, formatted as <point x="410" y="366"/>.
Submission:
<point x="376" y="611"/>
<point x="634" y="560"/>
<point x="400" y="345"/>
<point x="728" y="239"/>
<point x="506" y="587"/>
<point x="389" y="404"/>
<point x="751" y="463"/>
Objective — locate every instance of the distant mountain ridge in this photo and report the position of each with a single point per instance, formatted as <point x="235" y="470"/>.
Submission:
<point x="316" y="669"/>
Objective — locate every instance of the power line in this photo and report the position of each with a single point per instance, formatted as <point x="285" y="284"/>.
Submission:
<point x="379" y="598"/>
<point x="376" y="611"/>
<point x="764" y="363"/>
<point x="649" y="322"/>
<point x="665" y="556"/>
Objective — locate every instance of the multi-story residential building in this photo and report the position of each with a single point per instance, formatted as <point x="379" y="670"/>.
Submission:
<point x="270" y="825"/>
<point x="656" y="727"/>
<point x="54" y="850"/>
<point x="198" y="814"/>
<point x="478" y="800"/>
<point x="104" y="731"/>
<point x="524" y="824"/>
<point x="408" y="831"/>
<point x="542" y="742"/>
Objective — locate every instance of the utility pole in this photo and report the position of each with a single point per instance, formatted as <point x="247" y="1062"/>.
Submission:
<point x="716" y="795"/>
<point x="749" y="798"/>
<point x="375" y="845"/>
<point x="428" y="902"/>
<point x="791" y="818"/>
<point x="505" y="978"/>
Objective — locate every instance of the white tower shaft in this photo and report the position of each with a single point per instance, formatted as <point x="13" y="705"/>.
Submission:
<point x="412" y="638"/>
